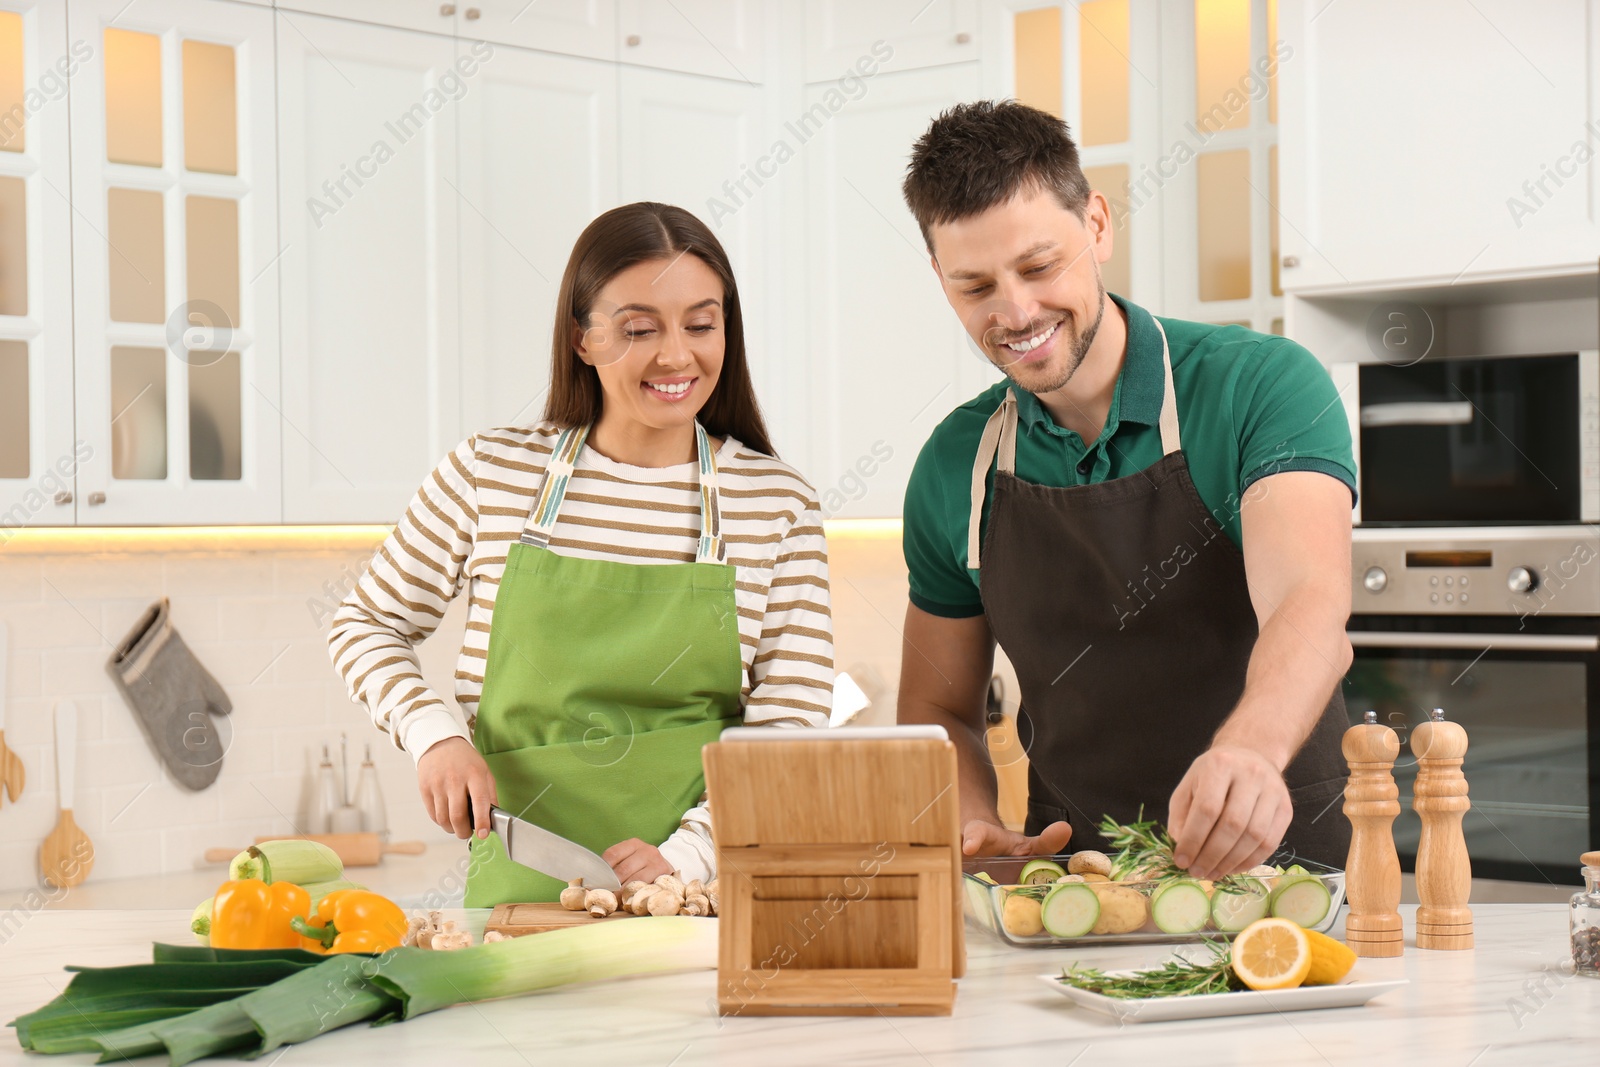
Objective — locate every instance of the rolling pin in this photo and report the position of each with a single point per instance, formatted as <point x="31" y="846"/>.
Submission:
<point x="354" y="850"/>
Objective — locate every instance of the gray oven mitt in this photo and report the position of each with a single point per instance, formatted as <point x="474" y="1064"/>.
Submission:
<point x="173" y="697"/>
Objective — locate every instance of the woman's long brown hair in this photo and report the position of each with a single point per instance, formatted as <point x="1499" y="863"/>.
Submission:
<point x="617" y="240"/>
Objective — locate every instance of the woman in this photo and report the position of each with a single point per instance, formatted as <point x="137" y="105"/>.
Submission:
<point x="641" y="571"/>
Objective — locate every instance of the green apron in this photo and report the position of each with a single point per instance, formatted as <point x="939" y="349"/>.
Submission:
<point x="603" y="682"/>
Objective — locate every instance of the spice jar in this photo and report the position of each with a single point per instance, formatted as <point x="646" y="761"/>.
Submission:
<point x="1586" y="920"/>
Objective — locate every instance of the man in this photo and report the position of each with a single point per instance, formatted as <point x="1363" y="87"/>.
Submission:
<point x="1176" y="617"/>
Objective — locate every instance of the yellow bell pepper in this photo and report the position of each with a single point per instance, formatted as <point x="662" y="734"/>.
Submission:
<point x="249" y="913"/>
<point x="354" y="920"/>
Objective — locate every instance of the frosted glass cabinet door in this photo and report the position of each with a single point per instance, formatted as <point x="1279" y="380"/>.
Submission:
<point x="174" y="263"/>
<point x="369" y="212"/>
<point x="38" y="461"/>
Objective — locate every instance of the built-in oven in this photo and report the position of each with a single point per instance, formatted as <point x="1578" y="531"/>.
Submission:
<point x="1480" y="440"/>
<point x="1500" y="627"/>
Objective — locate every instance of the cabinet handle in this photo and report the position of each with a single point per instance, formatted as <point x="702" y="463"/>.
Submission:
<point x="447" y="10"/>
<point x="96" y="498"/>
<point x="963" y="38"/>
<point x="63" y="497"/>
<point x="633" y="40"/>
<point x="472" y="14"/>
<point x="1291" y="261"/>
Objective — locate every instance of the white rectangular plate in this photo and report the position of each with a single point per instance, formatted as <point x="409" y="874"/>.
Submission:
<point x="1217" y="1005"/>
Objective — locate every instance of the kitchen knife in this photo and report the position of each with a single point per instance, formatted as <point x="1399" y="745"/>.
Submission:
<point x="534" y="846"/>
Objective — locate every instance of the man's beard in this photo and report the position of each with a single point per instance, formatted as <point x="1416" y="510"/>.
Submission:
<point x="1080" y="348"/>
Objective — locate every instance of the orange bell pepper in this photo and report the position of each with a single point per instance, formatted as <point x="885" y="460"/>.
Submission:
<point x="249" y="913"/>
<point x="354" y="920"/>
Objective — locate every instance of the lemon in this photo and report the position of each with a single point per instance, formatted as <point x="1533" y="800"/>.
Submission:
<point x="1272" y="954"/>
<point x="1331" y="960"/>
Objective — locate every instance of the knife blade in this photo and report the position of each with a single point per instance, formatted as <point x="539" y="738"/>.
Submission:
<point x="549" y="853"/>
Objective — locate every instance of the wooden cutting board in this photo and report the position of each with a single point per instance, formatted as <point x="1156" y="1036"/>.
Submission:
<point x="514" y="920"/>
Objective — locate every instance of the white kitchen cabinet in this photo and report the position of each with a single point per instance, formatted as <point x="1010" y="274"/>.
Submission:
<point x="574" y="27"/>
<point x="719" y="38"/>
<point x="699" y="143"/>
<point x="533" y="121"/>
<point x="369" y="216"/>
<point x="921" y="33"/>
<point x="38" y="458"/>
<point x="174" y="293"/>
<point x="428" y="16"/>
<point x="889" y="359"/>
<point x="1433" y="142"/>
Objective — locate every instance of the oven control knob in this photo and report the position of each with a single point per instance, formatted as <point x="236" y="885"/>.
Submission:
<point x="1376" y="579"/>
<point x="1522" y="580"/>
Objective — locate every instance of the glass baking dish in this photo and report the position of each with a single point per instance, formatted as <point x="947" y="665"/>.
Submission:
<point x="985" y="903"/>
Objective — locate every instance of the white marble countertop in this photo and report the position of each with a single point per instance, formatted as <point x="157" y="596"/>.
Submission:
<point x="1510" y="1001"/>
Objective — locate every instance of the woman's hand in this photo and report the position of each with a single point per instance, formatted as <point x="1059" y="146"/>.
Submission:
<point x="633" y="859"/>
<point x="456" y="786"/>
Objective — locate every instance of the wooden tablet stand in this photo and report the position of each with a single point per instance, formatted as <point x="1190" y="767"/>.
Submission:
<point x="840" y="866"/>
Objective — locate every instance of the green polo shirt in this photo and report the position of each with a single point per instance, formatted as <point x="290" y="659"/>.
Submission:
<point x="1249" y="405"/>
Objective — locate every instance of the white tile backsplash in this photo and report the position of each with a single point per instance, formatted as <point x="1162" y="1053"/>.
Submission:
<point x="258" y="621"/>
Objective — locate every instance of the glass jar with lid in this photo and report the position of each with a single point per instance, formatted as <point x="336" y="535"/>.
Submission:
<point x="1586" y="920"/>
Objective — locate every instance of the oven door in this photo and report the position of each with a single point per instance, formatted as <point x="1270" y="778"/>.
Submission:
<point x="1529" y="699"/>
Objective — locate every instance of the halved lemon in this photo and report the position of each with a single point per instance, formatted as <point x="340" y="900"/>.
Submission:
<point x="1331" y="959"/>
<point x="1272" y="954"/>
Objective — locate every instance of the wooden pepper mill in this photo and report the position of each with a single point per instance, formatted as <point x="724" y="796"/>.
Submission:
<point x="1372" y="872"/>
<point x="1444" y="871"/>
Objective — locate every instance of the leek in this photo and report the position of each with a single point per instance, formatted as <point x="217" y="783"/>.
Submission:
<point x="195" y="1001"/>
<point x="425" y="981"/>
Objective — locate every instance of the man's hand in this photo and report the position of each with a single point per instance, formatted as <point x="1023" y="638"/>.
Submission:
<point x="979" y="837"/>
<point x="1229" y="813"/>
<point x="633" y="859"/>
<point x="456" y="786"/>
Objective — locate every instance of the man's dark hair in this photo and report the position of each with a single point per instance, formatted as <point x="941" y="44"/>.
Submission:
<point x="977" y="155"/>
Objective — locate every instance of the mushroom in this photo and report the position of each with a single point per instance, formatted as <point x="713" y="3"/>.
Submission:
<point x="572" y="897"/>
<point x="600" y="902"/>
<point x="1089" y="862"/>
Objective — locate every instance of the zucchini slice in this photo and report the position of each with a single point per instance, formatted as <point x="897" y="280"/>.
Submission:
<point x="1180" y="907"/>
<point x="1070" y="910"/>
<point x="1232" y="911"/>
<point x="1301" y="899"/>
<point x="1040" y="872"/>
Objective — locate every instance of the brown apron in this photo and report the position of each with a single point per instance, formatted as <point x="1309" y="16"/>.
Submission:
<point x="1124" y="608"/>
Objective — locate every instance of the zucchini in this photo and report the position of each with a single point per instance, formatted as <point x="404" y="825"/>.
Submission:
<point x="1301" y="899"/>
<point x="1233" y="910"/>
<point x="1070" y="909"/>
<point x="1040" y="872"/>
<point x="1180" y="906"/>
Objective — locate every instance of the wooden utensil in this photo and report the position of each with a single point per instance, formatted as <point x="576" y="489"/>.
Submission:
<point x="354" y="850"/>
<point x="514" y="920"/>
<point x="1444" y="870"/>
<point x="11" y="774"/>
<point x="67" y="855"/>
<point x="1372" y="871"/>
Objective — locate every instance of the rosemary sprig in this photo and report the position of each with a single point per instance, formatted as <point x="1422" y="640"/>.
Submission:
<point x="1175" y="978"/>
<point x="1144" y="844"/>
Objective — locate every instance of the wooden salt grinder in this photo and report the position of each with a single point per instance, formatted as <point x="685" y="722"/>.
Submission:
<point x="1444" y="871"/>
<point x="1372" y="872"/>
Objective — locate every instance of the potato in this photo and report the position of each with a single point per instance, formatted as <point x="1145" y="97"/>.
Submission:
<point x="1122" y="910"/>
<point x="1020" y="915"/>
<point x="1092" y="877"/>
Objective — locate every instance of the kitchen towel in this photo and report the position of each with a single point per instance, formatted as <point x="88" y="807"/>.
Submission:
<point x="174" y="698"/>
